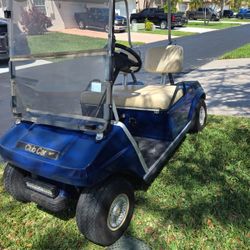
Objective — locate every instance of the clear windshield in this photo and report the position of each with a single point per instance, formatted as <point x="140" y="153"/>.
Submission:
<point x="59" y="53"/>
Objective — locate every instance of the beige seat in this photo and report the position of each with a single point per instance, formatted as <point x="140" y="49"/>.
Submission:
<point x="155" y="97"/>
<point x="164" y="60"/>
<point x="150" y="97"/>
<point x="161" y="60"/>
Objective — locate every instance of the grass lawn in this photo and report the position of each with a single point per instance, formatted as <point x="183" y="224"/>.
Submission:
<point x="211" y="25"/>
<point x="59" y="42"/>
<point x="200" y="200"/>
<point x="165" y="32"/>
<point x="242" y="52"/>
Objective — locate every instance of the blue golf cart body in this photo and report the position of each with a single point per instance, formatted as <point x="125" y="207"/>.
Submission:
<point x="80" y="129"/>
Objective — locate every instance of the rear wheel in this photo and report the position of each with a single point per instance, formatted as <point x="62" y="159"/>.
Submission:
<point x="163" y="25"/>
<point x="81" y="25"/>
<point x="103" y="214"/>
<point x="213" y="18"/>
<point x="200" y="117"/>
<point x="133" y="21"/>
<point x="13" y="180"/>
<point x="191" y="17"/>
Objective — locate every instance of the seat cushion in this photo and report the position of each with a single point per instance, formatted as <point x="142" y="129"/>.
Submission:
<point x="145" y="96"/>
<point x="164" y="59"/>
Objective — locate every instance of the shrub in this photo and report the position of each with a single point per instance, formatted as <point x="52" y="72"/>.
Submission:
<point x="148" y="25"/>
<point x="34" y="22"/>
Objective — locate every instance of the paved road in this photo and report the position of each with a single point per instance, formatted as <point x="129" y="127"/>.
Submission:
<point x="203" y="48"/>
<point x="199" y="50"/>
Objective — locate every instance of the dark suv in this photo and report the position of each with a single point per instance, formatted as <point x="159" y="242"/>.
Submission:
<point x="158" y="17"/>
<point x="228" y="13"/>
<point x="97" y="18"/>
<point x="4" y="52"/>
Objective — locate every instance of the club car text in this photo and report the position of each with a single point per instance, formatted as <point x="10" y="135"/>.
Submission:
<point x="51" y="154"/>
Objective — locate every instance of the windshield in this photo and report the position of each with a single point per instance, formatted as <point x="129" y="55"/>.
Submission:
<point x="59" y="57"/>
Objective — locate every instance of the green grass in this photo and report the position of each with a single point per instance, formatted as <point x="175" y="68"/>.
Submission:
<point x="59" y="42"/>
<point x="127" y="44"/>
<point x="242" y="52"/>
<point x="212" y="25"/>
<point x="165" y="32"/>
<point x="200" y="200"/>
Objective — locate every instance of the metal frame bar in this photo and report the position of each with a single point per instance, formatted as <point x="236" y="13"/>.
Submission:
<point x="133" y="142"/>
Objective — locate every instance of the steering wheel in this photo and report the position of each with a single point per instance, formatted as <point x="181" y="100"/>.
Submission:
<point x="126" y="59"/>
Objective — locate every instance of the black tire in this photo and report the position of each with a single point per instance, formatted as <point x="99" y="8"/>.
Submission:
<point x="163" y="25"/>
<point x="199" y="122"/>
<point x="133" y="21"/>
<point x="13" y="180"/>
<point x="106" y="28"/>
<point x="81" y="25"/>
<point x="213" y="18"/>
<point x="191" y="17"/>
<point x="94" y="211"/>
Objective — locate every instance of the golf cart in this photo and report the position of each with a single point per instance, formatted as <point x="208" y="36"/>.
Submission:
<point x="84" y="132"/>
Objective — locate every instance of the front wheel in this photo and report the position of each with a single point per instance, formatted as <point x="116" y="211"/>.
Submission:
<point x="163" y="25"/>
<point x="200" y="117"/>
<point x="103" y="214"/>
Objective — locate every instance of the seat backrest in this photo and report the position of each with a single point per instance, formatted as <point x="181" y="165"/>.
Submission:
<point x="164" y="59"/>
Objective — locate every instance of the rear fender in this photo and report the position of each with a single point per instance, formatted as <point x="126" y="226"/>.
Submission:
<point x="200" y="95"/>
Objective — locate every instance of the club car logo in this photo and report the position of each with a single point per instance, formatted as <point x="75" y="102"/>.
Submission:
<point x="35" y="150"/>
<point x="48" y="153"/>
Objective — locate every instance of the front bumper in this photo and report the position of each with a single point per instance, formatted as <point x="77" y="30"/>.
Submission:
<point x="119" y="28"/>
<point x="68" y="169"/>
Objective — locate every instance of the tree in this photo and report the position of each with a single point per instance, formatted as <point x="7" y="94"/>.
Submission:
<point x="173" y="5"/>
<point x="195" y="4"/>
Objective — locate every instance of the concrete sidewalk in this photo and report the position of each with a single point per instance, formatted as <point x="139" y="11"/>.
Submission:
<point x="227" y="85"/>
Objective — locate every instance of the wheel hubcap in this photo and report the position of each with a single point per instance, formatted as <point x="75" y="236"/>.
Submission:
<point x="81" y="25"/>
<point x="202" y="116"/>
<point x="118" y="212"/>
